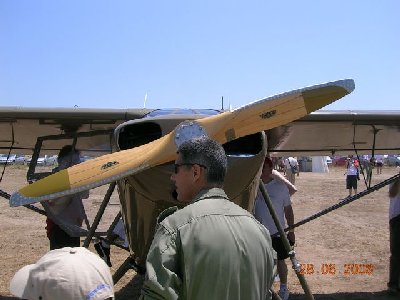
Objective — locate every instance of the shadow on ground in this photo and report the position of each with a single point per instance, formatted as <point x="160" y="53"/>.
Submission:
<point x="131" y="291"/>
<point x="382" y="295"/>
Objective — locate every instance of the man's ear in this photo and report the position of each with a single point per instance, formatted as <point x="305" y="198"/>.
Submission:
<point x="197" y="171"/>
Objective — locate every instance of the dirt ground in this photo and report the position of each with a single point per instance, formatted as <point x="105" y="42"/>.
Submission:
<point x="345" y="252"/>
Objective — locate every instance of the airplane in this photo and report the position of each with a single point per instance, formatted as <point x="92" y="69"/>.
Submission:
<point x="95" y="132"/>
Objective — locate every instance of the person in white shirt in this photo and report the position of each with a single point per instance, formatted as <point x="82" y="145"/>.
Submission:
<point x="291" y="169"/>
<point x="352" y="175"/>
<point x="280" y="196"/>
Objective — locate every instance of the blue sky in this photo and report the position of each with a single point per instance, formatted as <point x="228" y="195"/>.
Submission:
<point x="110" y="54"/>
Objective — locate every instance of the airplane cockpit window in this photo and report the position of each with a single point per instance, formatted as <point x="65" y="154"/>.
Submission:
<point x="208" y="112"/>
<point x="179" y="111"/>
<point x="245" y="146"/>
<point x="138" y="134"/>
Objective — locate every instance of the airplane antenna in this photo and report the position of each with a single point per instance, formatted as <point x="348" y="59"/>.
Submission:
<point x="145" y="99"/>
<point x="222" y="102"/>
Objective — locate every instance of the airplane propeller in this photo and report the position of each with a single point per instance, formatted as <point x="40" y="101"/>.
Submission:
<point x="254" y="117"/>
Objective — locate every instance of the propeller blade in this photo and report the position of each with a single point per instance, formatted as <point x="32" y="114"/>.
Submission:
<point x="254" y="117"/>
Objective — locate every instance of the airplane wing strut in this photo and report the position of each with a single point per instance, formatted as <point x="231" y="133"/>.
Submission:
<point x="345" y="201"/>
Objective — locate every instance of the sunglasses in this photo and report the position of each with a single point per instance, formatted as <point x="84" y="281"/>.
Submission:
<point x="176" y="166"/>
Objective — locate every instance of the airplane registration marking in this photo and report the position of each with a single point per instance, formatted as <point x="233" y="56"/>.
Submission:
<point x="268" y="114"/>
<point x="109" y="164"/>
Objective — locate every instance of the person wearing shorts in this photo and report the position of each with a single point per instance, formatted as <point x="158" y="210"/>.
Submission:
<point x="351" y="182"/>
<point x="352" y="175"/>
<point x="279" y="248"/>
<point x="280" y="197"/>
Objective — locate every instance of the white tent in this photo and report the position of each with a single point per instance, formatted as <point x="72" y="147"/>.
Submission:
<point x="319" y="164"/>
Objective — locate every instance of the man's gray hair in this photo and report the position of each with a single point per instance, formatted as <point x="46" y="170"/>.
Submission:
<point x="207" y="153"/>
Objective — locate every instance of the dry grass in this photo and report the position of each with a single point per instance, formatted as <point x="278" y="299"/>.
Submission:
<point x="354" y="234"/>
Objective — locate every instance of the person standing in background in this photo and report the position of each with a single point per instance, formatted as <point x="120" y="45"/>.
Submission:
<point x="292" y="169"/>
<point x="352" y="175"/>
<point x="65" y="211"/>
<point x="379" y="164"/>
<point x="279" y="194"/>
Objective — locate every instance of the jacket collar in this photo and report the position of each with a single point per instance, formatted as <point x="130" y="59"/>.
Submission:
<point x="210" y="193"/>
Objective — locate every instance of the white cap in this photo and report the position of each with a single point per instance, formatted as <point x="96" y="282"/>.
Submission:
<point x="64" y="274"/>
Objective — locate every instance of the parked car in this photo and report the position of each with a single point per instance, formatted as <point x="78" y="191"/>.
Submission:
<point x="392" y="160"/>
<point x="9" y="159"/>
<point x="20" y="160"/>
<point x="339" y="160"/>
<point x="3" y="158"/>
<point x="47" y="160"/>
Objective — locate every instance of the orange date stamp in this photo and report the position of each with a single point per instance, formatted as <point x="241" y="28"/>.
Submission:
<point x="336" y="269"/>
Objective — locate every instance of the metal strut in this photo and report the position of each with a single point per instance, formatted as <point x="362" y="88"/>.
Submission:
<point x="99" y="215"/>
<point x="9" y="152"/>
<point x="373" y="153"/>
<point x="344" y="202"/>
<point x="367" y="180"/>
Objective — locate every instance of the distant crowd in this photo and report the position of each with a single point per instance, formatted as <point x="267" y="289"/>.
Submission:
<point x="209" y="249"/>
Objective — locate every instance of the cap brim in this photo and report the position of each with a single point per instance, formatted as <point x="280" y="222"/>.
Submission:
<point x="19" y="281"/>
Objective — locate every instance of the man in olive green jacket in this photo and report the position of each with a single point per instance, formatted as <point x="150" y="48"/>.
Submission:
<point x="212" y="248"/>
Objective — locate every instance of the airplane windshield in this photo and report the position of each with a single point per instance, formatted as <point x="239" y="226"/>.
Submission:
<point x="178" y="111"/>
